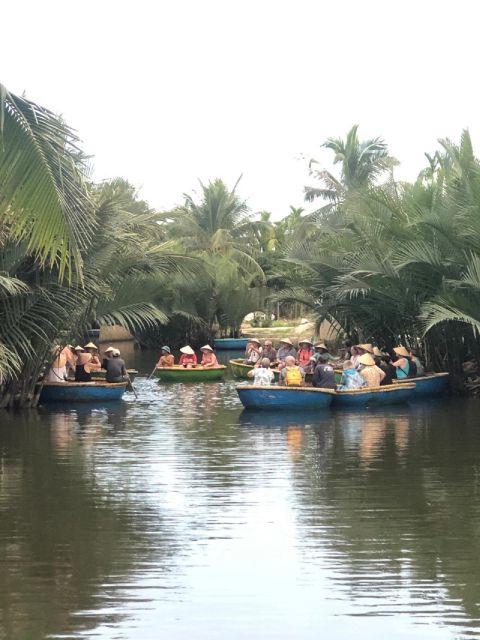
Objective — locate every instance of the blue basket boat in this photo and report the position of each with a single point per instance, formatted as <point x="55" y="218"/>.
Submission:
<point x="375" y="396"/>
<point x="230" y="343"/>
<point x="428" y="386"/>
<point x="273" y="398"/>
<point x="82" y="392"/>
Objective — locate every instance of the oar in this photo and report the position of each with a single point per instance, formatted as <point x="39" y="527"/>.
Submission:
<point x="154" y="369"/>
<point x="131" y="388"/>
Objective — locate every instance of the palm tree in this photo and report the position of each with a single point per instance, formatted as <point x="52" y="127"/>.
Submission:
<point x="219" y="229"/>
<point x="361" y="162"/>
<point x="44" y="199"/>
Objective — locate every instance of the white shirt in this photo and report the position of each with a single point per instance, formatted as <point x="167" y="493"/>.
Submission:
<point x="263" y="376"/>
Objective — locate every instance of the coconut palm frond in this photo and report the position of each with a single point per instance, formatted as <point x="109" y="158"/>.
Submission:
<point x="44" y="198"/>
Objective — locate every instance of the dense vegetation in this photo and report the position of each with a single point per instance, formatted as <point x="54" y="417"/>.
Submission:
<point x="384" y="261"/>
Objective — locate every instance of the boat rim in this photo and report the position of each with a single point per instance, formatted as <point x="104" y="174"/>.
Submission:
<point x="93" y="383"/>
<point x="271" y="387"/>
<point x="179" y="367"/>
<point x="429" y="376"/>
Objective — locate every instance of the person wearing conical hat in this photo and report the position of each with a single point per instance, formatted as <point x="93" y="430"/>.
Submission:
<point x="321" y="349"/>
<point x="69" y="352"/>
<point x="365" y="348"/>
<point x="209" y="359"/>
<point x="166" y="358"/>
<point x="92" y="349"/>
<point x="188" y="359"/>
<point x="253" y="352"/>
<point x="58" y="369"/>
<point x="369" y="371"/>
<point x="304" y="354"/>
<point x="402" y="363"/>
<point x="84" y="366"/>
<point x="286" y="349"/>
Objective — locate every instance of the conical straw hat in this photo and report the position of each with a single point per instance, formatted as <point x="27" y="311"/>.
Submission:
<point x="366" y="347"/>
<point x="401" y="351"/>
<point x="286" y="341"/>
<point x="79" y="348"/>
<point x="187" y="350"/>
<point x="366" y="359"/>
<point x="90" y="345"/>
<point x="206" y="347"/>
<point x="305" y="341"/>
<point x="321" y="345"/>
<point x="377" y="352"/>
<point x="254" y="340"/>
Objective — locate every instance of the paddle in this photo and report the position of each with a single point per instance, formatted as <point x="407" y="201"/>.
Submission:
<point x="131" y="388"/>
<point x="154" y="369"/>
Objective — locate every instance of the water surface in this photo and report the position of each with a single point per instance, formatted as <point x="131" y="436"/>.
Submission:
<point x="182" y="516"/>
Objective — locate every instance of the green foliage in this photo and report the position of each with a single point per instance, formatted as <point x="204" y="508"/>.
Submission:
<point x="43" y="197"/>
<point x="400" y="263"/>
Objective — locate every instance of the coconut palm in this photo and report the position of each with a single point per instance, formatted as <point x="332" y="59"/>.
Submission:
<point x="44" y="198"/>
<point x="402" y="264"/>
<point x="218" y="228"/>
<point x="361" y="164"/>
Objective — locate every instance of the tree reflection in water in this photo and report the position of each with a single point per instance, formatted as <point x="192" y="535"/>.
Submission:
<point x="70" y="532"/>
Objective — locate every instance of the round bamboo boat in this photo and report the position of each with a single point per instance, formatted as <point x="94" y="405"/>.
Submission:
<point x="193" y="374"/>
<point x="378" y="396"/>
<point x="429" y="386"/>
<point x="271" y="398"/>
<point x="68" y="392"/>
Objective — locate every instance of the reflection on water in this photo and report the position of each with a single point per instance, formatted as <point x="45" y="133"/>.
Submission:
<point x="182" y="516"/>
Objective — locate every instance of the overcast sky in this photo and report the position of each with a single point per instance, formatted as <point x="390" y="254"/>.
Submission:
<point x="163" y="93"/>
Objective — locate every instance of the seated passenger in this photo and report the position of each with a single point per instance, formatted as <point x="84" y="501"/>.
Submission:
<point x="321" y="349"/>
<point x="351" y="379"/>
<point x="291" y="375"/>
<point x="262" y="375"/>
<point x="115" y="367"/>
<point x="209" y="359"/>
<point x="268" y="351"/>
<point x="92" y="349"/>
<point x="369" y="371"/>
<point x="286" y="350"/>
<point x="69" y="352"/>
<point x="387" y="367"/>
<point x="188" y="359"/>
<point x="84" y="366"/>
<point x="305" y="352"/>
<point x="324" y="374"/>
<point x="402" y="363"/>
<point x="253" y="352"/>
<point x="107" y="355"/>
<point x="166" y="358"/>
<point x="58" y="370"/>
<point x="418" y="364"/>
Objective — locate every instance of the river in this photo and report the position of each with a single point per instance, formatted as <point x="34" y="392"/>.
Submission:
<point x="179" y="515"/>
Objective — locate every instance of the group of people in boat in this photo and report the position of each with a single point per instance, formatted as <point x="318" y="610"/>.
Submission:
<point x="78" y="363"/>
<point x="188" y="358"/>
<point x="362" y="365"/>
